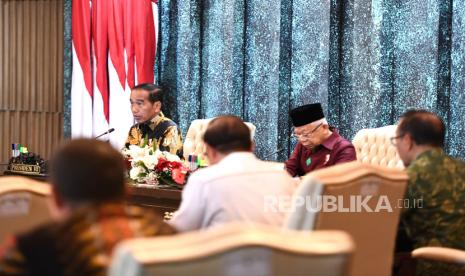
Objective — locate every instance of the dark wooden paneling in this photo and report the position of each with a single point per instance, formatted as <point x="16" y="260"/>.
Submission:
<point x="31" y="75"/>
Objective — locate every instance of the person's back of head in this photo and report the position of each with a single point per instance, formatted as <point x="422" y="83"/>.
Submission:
<point x="425" y="128"/>
<point x="88" y="171"/>
<point x="88" y="179"/>
<point x="227" y="134"/>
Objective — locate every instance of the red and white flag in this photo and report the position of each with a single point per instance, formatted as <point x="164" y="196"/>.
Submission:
<point x="114" y="48"/>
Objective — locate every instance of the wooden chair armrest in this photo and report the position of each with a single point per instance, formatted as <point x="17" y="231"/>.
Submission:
<point x="441" y="254"/>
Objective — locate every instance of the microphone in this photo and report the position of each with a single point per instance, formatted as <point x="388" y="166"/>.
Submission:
<point x="106" y="132"/>
<point x="273" y="153"/>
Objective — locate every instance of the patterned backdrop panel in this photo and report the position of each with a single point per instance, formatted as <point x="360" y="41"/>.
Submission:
<point x="366" y="61"/>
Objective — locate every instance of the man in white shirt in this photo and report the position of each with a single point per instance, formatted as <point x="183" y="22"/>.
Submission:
<point x="236" y="185"/>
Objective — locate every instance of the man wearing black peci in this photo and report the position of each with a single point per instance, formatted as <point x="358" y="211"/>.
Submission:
<point x="319" y="145"/>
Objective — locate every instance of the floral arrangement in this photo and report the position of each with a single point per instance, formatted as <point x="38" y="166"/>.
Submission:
<point x="148" y="165"/>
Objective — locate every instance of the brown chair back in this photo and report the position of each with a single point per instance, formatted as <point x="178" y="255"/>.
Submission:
<point x="24" y="204"/>
<point x="372" y="223"/>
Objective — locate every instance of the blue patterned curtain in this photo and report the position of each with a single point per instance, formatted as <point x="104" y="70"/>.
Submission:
<point x="367" y="61"/>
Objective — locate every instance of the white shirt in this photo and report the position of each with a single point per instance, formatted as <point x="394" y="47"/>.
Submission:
<point x="234" y="189"/>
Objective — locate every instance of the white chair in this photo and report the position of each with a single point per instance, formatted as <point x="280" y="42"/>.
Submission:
<point x="236" y="249"/>
<point x="193" y="143"/>
<point x="373" y="146"/>
<point x="24" y="204"/>
<point x="440" y="254"/>
<point x="373" y="232"/>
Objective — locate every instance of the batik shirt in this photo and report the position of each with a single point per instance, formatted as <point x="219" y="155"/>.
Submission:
<point x="436" y="217"/>
<point x="161" y="129"/>
<point x="81" y="244"/>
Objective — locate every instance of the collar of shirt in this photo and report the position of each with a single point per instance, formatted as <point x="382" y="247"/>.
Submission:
<point x="156" y="120"/>
<point x="237" y="158"/>
<point x="332" y="139"/>
<point x="432" y="153"/>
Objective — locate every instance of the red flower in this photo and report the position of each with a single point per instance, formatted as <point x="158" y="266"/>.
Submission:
<point x="175" y="165"/>
<point x="162" y="164"/>
<point x="178" y="176"/>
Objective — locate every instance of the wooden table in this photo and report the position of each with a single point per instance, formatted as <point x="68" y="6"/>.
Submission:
<point x="160" y="200"/>
<point x="39" y="177"/>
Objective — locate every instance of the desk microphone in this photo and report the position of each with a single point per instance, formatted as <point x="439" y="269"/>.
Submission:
<point x="106" y="132"/>
<point x="273" y="153"/>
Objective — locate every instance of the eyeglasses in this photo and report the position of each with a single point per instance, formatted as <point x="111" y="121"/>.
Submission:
<point x="394" y="139"/>
<point x="305" y="134"/>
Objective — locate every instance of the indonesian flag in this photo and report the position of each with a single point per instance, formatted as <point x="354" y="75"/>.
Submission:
<point x="114" y="47"/>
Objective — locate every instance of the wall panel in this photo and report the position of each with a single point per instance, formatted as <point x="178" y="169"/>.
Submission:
<point x="31" y="75"/>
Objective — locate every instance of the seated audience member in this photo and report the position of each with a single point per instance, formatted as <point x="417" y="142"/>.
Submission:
<point x="146" y="102"/>
<point x="435" y="193"/>
<point x="88" y="185"/>
<point x="236" y="186"/>
<point x="319" y="145"/>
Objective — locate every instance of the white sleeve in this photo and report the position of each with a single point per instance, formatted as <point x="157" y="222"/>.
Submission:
<point x="190" y="214"/>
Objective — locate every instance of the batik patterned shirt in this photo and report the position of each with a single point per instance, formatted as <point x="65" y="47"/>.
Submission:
<point x="436" y="217"/>
<point x="161" y="129"/>
<point x="81" y="244"/>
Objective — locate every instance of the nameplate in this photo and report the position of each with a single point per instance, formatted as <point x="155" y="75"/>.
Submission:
<point x="26" y="169"/>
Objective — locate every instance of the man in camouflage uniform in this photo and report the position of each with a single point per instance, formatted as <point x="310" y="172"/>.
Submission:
<point x="436" y="187"/>
<point x="146" y="101"/>
<point x="88" y="187"/>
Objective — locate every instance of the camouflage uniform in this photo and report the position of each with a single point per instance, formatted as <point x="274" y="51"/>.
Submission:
<point x="162" y="129"/>
<point x="439" y="180"/>
<point x="81" y="244"/>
